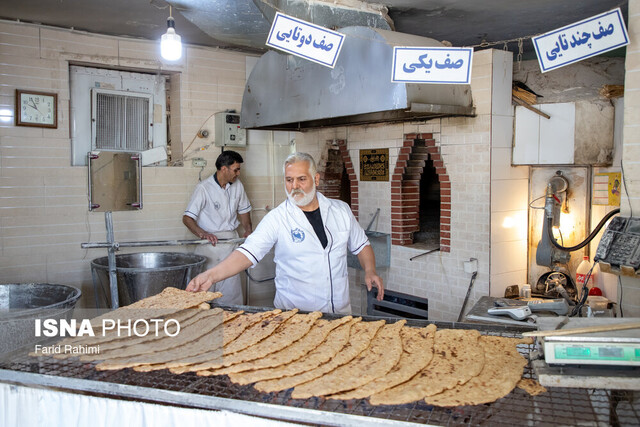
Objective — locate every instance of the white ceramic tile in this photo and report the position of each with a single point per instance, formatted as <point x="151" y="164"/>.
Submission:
<point x="509" y="195"/>
<point x="508" y="257"/>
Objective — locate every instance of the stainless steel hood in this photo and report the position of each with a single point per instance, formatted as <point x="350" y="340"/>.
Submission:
<point x="285" y="92"/>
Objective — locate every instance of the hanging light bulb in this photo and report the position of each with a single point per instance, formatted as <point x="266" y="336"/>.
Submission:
<point x="170" y="44"/>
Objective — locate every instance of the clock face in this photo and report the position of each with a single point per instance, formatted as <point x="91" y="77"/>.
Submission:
<point x="36" y="109"/>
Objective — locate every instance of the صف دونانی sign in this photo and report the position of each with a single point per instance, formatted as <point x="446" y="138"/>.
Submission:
<point x="374" y="165"/>
<point x="306" y="40"/>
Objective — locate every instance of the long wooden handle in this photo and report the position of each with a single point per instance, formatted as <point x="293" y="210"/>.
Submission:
<point x="588" y="329"/>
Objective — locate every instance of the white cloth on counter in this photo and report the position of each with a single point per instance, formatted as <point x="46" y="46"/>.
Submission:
<point x="36" y="407"/>
<point x="308" y="276"/>
<point x="231" y="288"/>
<point x="215" y="208"/>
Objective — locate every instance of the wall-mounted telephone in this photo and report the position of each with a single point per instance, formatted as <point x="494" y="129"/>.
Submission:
<point x="620" y="244"/>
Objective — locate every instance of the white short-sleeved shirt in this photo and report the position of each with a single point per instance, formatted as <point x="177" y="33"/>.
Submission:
<point x="308" y="276"/>
<point x="215" y="208"/>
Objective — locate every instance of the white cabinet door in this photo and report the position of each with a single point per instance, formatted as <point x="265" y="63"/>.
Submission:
<point x="542" y="141"/>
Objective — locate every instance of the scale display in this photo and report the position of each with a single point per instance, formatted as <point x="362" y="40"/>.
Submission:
<point x="593" y="354"/>
<point x="613" y="347"/>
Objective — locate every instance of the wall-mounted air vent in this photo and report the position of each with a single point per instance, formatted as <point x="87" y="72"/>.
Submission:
<point x="121" y="121"/>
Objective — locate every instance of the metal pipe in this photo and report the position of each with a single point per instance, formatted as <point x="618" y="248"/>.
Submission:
<point x="113" y="278"/>
<point x="423" y="254"/>
<point x="117" y="245"/>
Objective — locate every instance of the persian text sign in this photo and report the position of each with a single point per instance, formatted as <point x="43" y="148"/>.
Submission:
<point x="306" y="40"/>
<point x="432" y="65"/>
<point x="581" y="40"/>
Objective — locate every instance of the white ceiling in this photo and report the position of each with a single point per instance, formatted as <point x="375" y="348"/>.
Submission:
<point x="243" y="24"/>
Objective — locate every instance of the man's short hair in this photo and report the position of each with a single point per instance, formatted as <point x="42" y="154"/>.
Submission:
<point x="227" y="158"/>
<point x="301" y="157"/>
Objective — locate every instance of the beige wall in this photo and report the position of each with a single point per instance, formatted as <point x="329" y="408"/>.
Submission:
<point x="43" y="200"/>
<point x="631" y="148"/>
<point x="466" y="148"/>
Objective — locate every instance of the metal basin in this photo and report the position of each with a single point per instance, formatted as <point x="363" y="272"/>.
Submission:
<point x="22" y="303"/>
<point x="144" y="274"/>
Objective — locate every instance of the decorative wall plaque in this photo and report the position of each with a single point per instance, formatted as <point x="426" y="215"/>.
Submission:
<point x="374" y="165"/>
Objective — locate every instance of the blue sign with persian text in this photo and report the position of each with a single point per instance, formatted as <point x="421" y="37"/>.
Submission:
<point x="451" y="65"/>
<point x="581" y="40"/>
<point x="306" y="40"/>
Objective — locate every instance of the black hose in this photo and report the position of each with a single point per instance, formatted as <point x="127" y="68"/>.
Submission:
<point x="585" y="241"/>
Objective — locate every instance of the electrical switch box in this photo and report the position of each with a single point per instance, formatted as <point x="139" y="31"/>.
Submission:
<point x="228" y="131"/>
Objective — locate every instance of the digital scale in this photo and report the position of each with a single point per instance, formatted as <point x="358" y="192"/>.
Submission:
<point x="616" y="347"/>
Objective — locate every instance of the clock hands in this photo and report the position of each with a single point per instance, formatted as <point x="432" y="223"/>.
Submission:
<point x="34" y="106"/>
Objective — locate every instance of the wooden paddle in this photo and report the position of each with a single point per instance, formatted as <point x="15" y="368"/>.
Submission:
<point x="585" y="330"/>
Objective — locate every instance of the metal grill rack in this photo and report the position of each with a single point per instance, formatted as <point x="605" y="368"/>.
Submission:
<point x="559" y="406"/>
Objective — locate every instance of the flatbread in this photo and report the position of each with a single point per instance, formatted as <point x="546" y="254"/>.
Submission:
<point x="417" y="352"/>
<point x="209" y="346"/>
<point x="250" y="337"/>
<point x="141" y="354"/>
<point x="170" y="300"/>
<point x="330" y="335"/>
<point x="167" y="303"/>
<point x="500" y="374"/>
<point x="457" y="358"/>
<point x="531" y="386"/>
<point x="360" y="337"/>
<point x="375" y="361"/>
<point x="111" y="341"/>
<point x="289" y="332"/>
<point x="231" y="331"/>
<point x="335" y="342"/>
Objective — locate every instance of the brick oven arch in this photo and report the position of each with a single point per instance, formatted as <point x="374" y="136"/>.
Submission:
<point x="405" y="190"/>
<point x="331" y="169"/>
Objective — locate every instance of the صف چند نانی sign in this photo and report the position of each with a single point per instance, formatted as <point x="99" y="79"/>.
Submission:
<point x="584" y="39"/>
<point x="374" y="165"/>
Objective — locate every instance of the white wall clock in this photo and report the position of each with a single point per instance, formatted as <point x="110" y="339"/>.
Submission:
<point x="39" y="109"/>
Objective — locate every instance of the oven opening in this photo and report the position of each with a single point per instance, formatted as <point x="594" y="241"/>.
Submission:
<point x="429" y="210"/>
<point x="345" y="186"/>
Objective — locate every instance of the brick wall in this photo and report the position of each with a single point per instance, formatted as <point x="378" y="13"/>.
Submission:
<point x="405" y="191"/>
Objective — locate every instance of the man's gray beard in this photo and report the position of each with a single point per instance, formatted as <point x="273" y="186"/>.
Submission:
<point x="308" y="197"/>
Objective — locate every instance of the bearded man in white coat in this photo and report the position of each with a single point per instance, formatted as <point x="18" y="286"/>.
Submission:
<point x="311" y="234"/>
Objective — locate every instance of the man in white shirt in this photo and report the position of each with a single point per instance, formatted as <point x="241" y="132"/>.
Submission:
<point x="311" y="234"/>
<point x="218" y="205"/>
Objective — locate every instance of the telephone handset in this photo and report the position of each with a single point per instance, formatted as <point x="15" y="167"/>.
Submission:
<point x="620" y="243"/>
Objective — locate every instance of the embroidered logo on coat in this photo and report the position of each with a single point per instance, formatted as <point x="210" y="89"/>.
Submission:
<point x="216" y="205"/>
<point x="297" y="235"/>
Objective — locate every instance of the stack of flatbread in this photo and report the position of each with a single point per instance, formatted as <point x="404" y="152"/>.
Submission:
<point x="345" y="358"/>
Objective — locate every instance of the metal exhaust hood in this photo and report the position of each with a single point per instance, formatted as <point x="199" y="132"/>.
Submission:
<point x="285" y="92"/>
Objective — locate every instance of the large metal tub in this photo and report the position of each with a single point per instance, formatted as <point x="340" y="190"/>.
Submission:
<point x="22" y="303"/>
<point x="144" y="274"/>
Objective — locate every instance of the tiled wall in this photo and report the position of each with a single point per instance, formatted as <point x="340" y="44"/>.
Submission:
<point x="509" y="187"/>
<point x="466" y="147"/>
<point x="631" y="147"/>
<point x="43" y="200"/>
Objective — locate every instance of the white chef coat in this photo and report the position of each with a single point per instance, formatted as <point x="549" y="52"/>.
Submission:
<point x="215" y="208"/>
<point x="308" y="276"/>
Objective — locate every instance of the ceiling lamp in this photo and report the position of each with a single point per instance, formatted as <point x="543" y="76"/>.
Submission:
<point x="170" y="44"/>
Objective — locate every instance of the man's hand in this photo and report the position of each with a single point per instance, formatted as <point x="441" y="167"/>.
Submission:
<point x="202" y="282"/>
<point x="368" y="262"/>
<point x="191" y="224"/>
<point x="371" y="279"/>
<point x="210" y="237"/>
